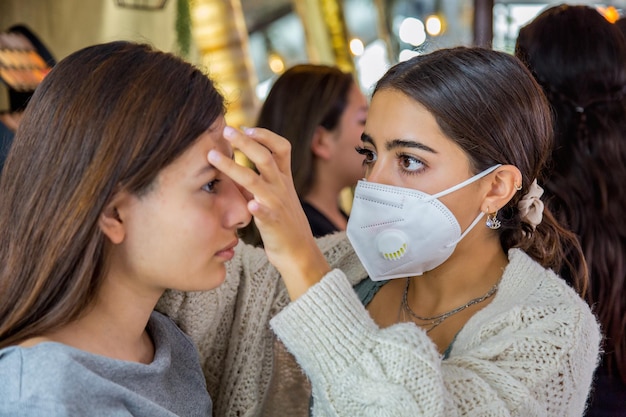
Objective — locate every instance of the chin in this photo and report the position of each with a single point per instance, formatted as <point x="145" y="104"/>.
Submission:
<point x="214" y="279"/>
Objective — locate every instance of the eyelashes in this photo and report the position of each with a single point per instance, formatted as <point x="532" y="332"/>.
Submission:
<point x="211" y="186"/>
<point x="408" y="164"/>
<point x="370" y="156"/>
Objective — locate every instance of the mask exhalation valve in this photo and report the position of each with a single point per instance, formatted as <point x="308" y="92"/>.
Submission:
<point x="392" y="244"/>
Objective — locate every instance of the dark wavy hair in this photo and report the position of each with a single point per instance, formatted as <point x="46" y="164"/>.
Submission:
<point x="106" y="118"/>
<point x="579" y="58"/>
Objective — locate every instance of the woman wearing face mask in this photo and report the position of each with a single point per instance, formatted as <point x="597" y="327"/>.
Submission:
<point x="463" y="314"/>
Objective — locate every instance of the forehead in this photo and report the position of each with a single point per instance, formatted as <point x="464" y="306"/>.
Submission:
<point x="214" y="137"/>
<point x="394" y="115"/>
<point x="194" y="158"/>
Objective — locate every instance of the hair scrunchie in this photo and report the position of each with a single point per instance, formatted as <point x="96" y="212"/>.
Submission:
<point x="530" y="206"/>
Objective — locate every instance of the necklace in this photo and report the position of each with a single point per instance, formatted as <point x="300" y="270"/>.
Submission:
<point x="435" y="321"/>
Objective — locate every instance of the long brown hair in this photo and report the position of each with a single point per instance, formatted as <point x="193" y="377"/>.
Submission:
<point x="579" y="58"/>
<point x="491" y="106"/>
<point x="107" y="117"/>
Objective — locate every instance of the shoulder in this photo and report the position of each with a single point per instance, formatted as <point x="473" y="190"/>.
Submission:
<point x="164" y="330"/>
<point x="528" y="283"/>
<point x="38" y="378"/>
<point x="533" y="303"/>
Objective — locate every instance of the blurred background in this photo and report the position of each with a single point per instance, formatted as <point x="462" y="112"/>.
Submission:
<point x="245" y="44"/>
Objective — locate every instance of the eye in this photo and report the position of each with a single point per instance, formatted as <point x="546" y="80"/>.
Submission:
<point x="410" y="163"/>
<point x="210" y="187"/>
<point x="370" y="156"/>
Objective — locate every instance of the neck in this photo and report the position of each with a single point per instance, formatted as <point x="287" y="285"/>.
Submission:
<point x="114" y="325"/>
<point x="326" y="201"/>
<point x="464" y="276"/>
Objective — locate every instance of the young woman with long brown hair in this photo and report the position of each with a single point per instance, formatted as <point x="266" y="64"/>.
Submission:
<point x="107" y="201"/>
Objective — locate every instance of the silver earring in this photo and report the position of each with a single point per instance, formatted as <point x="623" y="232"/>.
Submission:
<point x="492" y="221"/>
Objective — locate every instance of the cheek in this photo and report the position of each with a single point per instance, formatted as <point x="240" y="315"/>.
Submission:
<point x="464" y="206"/>
<point x="199" y="223"/>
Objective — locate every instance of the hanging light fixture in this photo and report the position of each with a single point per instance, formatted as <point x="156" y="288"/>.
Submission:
<point x="142" y="4"/>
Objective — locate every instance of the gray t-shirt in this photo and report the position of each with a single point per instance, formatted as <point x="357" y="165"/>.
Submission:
<point x="54" y="380"/>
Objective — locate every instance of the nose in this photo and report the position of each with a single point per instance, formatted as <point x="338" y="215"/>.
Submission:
<point x="378" y="174"/>
<point x="236" y="214"/>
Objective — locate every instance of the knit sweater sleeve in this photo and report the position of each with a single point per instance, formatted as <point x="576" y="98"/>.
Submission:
<point x="502" y="368"/>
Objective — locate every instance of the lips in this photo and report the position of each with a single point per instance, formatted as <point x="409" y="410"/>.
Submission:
<point x="229" y="251"/>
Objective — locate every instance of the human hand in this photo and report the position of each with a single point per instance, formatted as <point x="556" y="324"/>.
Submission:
<point x="278" y="214"/>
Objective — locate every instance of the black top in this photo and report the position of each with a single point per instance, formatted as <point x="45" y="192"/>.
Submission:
<point x="320" y="225"/>
<point x="608" y="395"/>
<point x="6" y="139"/>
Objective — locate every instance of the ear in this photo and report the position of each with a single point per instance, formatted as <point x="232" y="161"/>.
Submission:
<point x="503" y="188"/>
<point x="322" y="143"/>
<point x="110" y="221"/>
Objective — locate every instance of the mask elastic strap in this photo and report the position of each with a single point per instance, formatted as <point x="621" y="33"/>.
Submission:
<point x="466" y="182"/>
<point x="471" y="226"/>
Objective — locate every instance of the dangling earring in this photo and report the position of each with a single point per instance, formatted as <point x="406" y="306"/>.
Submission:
<point x="492" y="221"/>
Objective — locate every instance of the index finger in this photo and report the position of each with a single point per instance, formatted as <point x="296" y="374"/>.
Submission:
<point x="279" y="147"/>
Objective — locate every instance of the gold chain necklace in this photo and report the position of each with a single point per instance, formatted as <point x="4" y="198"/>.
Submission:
<point x="435" y="321"/>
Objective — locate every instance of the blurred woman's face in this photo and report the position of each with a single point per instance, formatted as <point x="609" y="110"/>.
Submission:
<point x="348" y="164"/>
<point x="182" y="232"/>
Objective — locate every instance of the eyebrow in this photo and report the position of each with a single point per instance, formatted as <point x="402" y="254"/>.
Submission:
<point x="205" y="169"/>
<point x="399" y="143"/>
<point x="208" y="167"/>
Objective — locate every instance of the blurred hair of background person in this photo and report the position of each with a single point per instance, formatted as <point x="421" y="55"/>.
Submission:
<point x="24" y="62"/>
<point x="321" y="111"/>
<point x="621" y="24"/>
<point x="579" y="58"/>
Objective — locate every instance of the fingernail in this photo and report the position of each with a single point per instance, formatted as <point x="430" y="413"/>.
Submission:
<point x="253" y="205"/>
<point x="214" y="156"/>
<point x="247" y="130"/>
<point x="229" y="132"/>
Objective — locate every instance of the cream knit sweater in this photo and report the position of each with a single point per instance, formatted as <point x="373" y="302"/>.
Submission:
<point x="530" y="352"/>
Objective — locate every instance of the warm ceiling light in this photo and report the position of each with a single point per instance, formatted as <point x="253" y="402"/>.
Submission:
<point x="610" y="13"/>
<point x="276" y="63"/>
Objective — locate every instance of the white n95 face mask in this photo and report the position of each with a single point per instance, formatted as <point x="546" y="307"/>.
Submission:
<point x="400" y="232"/>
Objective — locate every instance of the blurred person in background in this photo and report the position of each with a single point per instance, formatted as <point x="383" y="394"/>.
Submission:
<point x="321" y="111"/>
<point x="579" y="59"/>
<point x="42" y="59"/>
